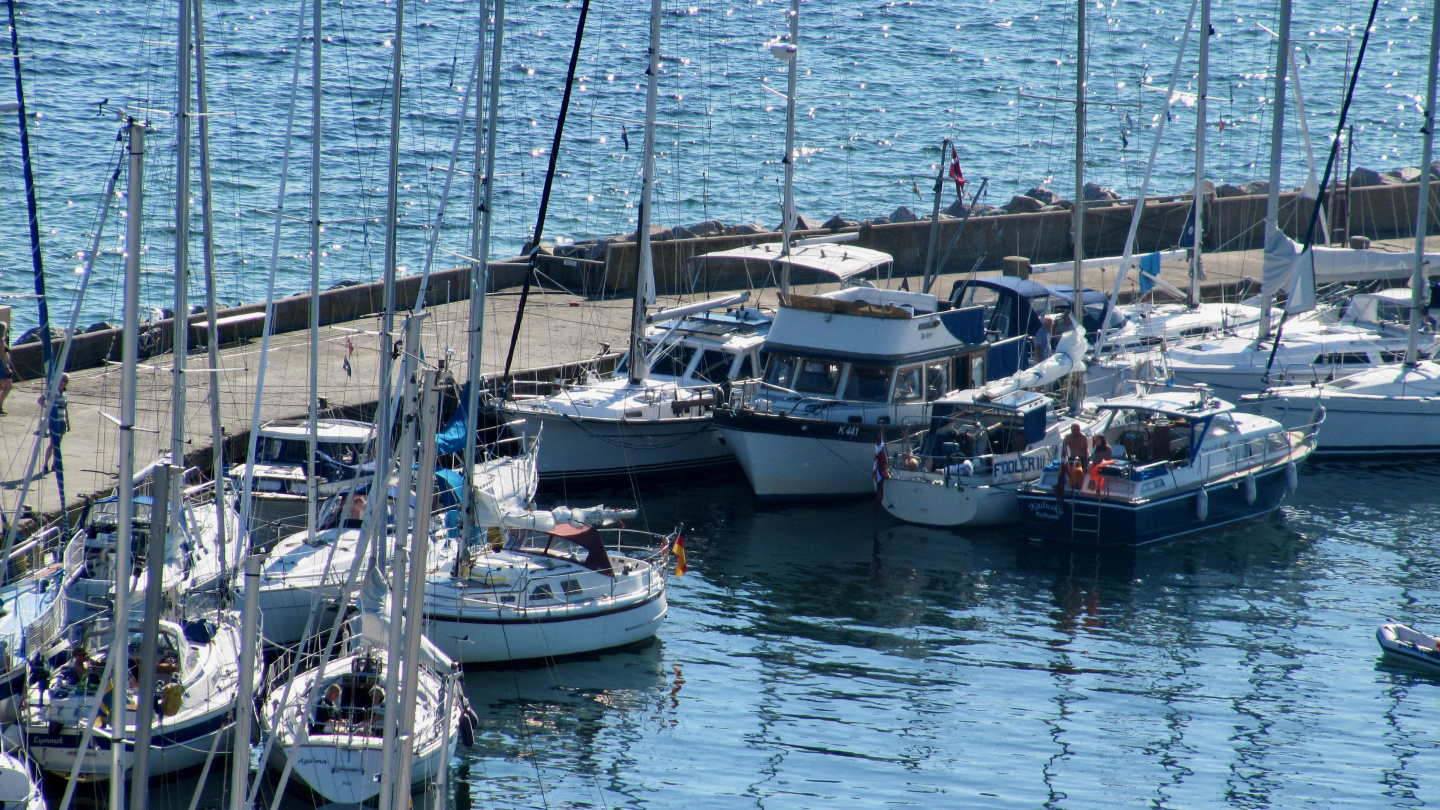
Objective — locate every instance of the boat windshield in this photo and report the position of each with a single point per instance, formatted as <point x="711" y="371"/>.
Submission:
<point x="293" y="451"/>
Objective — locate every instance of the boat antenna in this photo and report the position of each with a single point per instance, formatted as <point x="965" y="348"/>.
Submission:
<point x="180" y="321"/>
<point x="533" y="248"/>
<point x="1309" y="243"/>
<point x="644" y="265"/>
<point x="312" y="406"/>
<point x="1277" y="150"/>
<point x="1197" y="202"/>
<point x="1078" y="214"/>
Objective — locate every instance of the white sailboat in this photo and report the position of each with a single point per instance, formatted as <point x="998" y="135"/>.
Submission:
<point x="1392" y="409"/>
<point x="654" y="413"/>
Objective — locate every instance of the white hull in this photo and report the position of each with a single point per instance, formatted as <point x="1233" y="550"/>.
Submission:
<point x="346" y="774"/>
<point x="580" y="447"/>
<point x="188" y="750"/>
<point x="931" y="504"/>
<point x="1361" y="425"/>
<point x="780" y="466"/>
<point x="479" y="639"/>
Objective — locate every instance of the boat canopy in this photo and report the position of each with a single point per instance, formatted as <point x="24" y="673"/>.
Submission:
<point x="587" y="538"/>
<point x="839" y="260"/>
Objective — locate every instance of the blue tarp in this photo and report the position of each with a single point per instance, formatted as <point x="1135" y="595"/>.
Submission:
<point x="451" y="438"/>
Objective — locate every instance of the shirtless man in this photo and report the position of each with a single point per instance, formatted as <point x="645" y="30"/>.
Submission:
<point x="1076" y="446"/>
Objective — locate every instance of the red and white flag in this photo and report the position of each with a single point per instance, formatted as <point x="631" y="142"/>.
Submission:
<point x="957" y="175"/>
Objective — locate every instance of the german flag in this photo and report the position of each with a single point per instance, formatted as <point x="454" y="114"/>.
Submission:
<point x="677" y="547"/>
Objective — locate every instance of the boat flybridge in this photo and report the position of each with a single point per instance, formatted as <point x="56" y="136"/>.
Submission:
<point x="1183" y="462"/>
<point x="609" y="426"/>
<point x="844" y="370"/>
<point x="280" y="470"/>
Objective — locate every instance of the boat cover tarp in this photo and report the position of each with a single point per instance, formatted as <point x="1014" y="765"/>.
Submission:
<point x="839" y="260"/>
<point x="451" y="438"/>
<point x="1068" y="358"/>
<point x="1296" y="272"/>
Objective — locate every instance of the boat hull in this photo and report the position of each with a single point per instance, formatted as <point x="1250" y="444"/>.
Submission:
<point x="1364" y="425"/>
<point x="346" y="774"/>
<point x="576" y="448"/>
<point x="1086" y="520"/>
<point x="935" y="504"/>
<point x="172" y="749"/>
<point x="796" y="459"/>
<point x="477" y="638"/>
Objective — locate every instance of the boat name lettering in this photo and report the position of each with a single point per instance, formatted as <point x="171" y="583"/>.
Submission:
<point x="1015" y="467"/>
<point x="1045" y="510"/>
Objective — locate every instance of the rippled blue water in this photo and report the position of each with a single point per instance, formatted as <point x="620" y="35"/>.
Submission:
<point x="883" y="83"/>
<point x="835" y="658"/>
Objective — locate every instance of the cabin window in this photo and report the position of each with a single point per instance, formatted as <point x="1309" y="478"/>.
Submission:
<point x="571" y="587"/>
<point x="747" y="368"/>
<point x="781" y="371"/>
<point x="817" y="377"/>
<point x="1345" y="359"/>
<point x="937" y="381"/>
<point x="1222" y="425"/>
<point x="672" y="363"/>
<point x="714" y="366"/>
<point x="542" y="591"/>
<point x="909" y="384"/>
<point x="1392" y="357"/>
<point x="868" y="383"/>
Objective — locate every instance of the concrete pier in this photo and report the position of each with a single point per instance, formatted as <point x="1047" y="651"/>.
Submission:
<point x="560" y="328"/>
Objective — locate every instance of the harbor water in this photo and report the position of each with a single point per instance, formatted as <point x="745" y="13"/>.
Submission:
<point x="831" y="657"/>
<point x="882" y="84"/>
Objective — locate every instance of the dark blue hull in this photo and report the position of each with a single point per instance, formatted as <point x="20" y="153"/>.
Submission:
<point x="1087" y="520"/>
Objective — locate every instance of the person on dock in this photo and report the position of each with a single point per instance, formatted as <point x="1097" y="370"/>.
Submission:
<point x="7" y="366"/>
<point x="59" y="420"/>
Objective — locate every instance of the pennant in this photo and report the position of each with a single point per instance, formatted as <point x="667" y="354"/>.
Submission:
<point x="346" y="365"/>
<point x="349" y="347"/>
<point x="955" y="173"/>
<point x="625" y="138"/>
<point x="1187" y="236"/>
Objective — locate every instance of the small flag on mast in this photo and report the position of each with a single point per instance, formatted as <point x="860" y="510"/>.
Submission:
<point x="677" y="547"/>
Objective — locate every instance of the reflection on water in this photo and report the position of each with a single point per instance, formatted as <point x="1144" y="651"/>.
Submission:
<point x="822" y="655"/>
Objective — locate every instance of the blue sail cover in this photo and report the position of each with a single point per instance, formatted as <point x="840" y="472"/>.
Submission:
<point x="451" y="438"/>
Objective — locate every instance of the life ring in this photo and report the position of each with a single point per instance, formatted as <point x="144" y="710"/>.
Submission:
<point x="1096" y="474"/>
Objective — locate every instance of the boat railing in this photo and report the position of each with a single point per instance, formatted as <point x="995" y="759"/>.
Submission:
<point x="903" y="456"/>
<point x="762" y="397"/>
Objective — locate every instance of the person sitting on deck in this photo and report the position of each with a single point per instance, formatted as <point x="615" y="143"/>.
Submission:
<point x="377" y="706"/>
<point x="354" y="511"/>
<point x="327" y="711"/>
<point x="1101" y="451"/>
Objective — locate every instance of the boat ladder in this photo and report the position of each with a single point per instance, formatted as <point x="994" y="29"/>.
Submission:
<point x="1085" y="519"/>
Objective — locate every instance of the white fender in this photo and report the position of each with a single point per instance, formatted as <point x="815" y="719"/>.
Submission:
<point x="1250" y="489"/>
<point x="1292" y="477"/>
<point x="1202" y="505"/>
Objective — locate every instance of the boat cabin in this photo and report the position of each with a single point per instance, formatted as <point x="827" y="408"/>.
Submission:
<point x="707" y="348"/>
<point x="1014" y="307"/>
<point x="342" y="446"/>
<point x="870" y="346"/>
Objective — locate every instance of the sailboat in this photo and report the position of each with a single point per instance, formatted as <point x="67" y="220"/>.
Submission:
<point x="335" y="726"/>
<point x="654" y="413"/>
<point x="163" y="711"/>
<point x="1392" y="409"/>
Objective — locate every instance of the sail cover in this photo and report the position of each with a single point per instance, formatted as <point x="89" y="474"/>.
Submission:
<point x="1295" y="271"/>
<point x="1069" y="358"/>
<point x="839" y="260"/>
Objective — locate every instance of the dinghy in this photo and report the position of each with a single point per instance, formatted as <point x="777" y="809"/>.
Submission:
<point x="1409" y="645"/>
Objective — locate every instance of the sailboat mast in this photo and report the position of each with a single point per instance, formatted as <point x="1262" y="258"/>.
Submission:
<point x="384" y="416"/>
<point x="1277" y="148"/>
<point x="1422" y="208"/>
<point x="480" y="249"/>
<point x="419" y="552"/>
<point x="129" y="357"/>
<point x="1078" y="211"/>
<point x="1192" y="296"/>
<point x="313" y="407"/>
<point x="181" y="322"/>
<point x="36" y="262"/>
<point x="644" y="269"/>
<point x="787" y="206"/>
<point x="207" y="249"/>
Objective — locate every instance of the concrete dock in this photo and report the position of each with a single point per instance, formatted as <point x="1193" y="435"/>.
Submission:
<point x="560" y="327"/>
